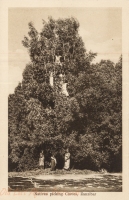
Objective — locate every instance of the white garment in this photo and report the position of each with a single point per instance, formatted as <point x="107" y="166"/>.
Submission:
<point x="64" y="89"/>
<point x="58" y="60"/>
<point x="51" y="79"/>
<point x="60" y="75"/>
<point x="54" y="159"/>
<point x="67" y="161"/>
<point x="41" y="161"/>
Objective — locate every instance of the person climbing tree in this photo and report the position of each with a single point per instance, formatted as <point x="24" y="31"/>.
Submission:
<point x="57" y="59"/>
<point x="51" y="79"/>
<point x="64" y="89"/>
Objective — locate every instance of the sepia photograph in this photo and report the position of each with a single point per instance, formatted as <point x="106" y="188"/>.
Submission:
<point x="65" y="99"/>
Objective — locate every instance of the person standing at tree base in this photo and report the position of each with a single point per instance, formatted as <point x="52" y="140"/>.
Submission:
<point x="67" y="160"/>
<point x="41" y="160"/>
<point x="53" y="163"/>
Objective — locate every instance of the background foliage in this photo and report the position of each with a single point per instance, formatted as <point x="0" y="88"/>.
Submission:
<point x="89" y="121"/>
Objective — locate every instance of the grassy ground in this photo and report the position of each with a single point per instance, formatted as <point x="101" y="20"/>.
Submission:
<point x="48" y="172"/>
<point x="61" y="180"/>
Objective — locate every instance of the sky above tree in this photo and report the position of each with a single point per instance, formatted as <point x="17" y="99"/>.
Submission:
<point x="100" y="28"/>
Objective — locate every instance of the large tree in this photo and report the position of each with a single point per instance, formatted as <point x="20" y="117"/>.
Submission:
<point x="42" y="117"/>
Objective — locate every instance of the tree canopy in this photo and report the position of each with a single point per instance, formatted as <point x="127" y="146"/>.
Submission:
<point x="88" y="121"/>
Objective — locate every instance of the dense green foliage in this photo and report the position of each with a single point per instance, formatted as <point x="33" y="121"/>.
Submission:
<point x="89" y="121"/>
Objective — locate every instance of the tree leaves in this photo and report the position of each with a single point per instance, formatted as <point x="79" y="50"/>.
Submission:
<point x="89" y="121"/>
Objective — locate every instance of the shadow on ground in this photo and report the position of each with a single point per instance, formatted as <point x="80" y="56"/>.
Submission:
<point x="67" y="182"/>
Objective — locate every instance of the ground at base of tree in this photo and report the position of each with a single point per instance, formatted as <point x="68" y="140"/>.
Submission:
<point x="60" y="180"/>
<point x="58" y="171"/>
<point x="48" y="171"/>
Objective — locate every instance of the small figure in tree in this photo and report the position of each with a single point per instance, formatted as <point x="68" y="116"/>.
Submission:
<point x="51" y="79"/>
<point x="57" y="61"/>
<point x="64" y="89"/>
